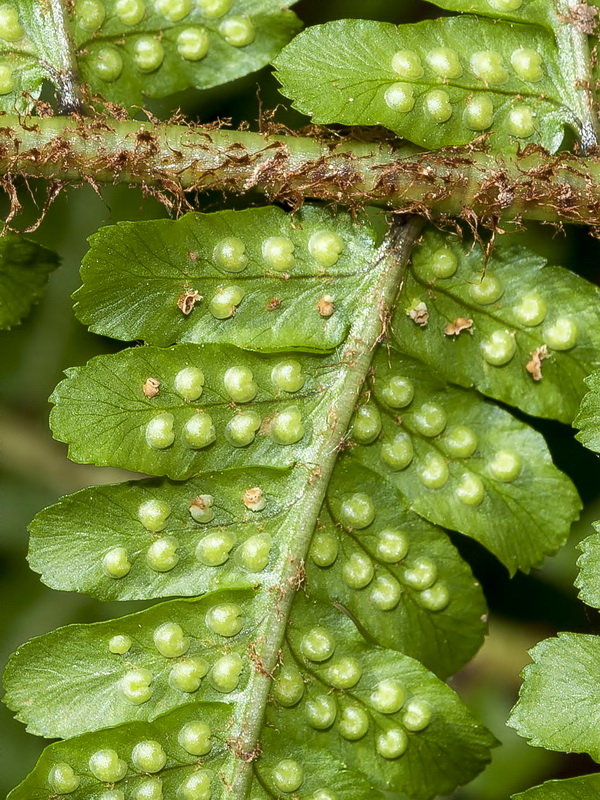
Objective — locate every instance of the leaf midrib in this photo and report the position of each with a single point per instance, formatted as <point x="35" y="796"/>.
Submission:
<point x="357" y="352"/>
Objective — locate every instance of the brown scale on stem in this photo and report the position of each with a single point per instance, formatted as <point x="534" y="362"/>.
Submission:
<point x="258" y="662"/>
<point x="169" y="160"/>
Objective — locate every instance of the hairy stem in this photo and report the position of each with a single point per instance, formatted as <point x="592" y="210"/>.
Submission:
<point x="169" y="159"/>
<point x="355" y="358"/>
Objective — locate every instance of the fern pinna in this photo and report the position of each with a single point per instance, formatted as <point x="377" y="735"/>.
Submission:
<point x="318" y="396"/>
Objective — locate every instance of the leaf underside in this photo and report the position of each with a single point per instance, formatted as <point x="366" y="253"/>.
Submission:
<point x="180" y="48"/>
<point x="524" y="11"/>
<point x="101" y="411"/>
<point x="111" y="432"/>
<point x="354" y="705"/>
<point x="383" y="590"/>
<point x="517" y="295"/>
<point x="535" y="309"/>
<point x="439" y="82"/>
<point x="124" y="51"/>
<point x="442" y="638"/>
<point x="22" y="71"/>
<point x="134" y="274"/>
<point x="93" y="700"/>
<point x="489" y="512"/>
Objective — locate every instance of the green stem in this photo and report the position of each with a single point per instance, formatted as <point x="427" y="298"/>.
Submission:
<point x="57" y="54"/>
<point x="575" y="58"/>
<point x="355" y="358"/>
<point x="168" y="159"/>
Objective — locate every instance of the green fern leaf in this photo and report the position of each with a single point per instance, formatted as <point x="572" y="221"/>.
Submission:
<point x="427" y="701"/>
<point x="518" y="330"/>
<point x="73" y="767"/>
<point x="588" y="581"/>
<point x="110" y="686"/>
<point x="588" y="419"/>
<point x="259" y="276"/>
<point x="439" y="82"/>
<point x="130" y="48"/>
<point x="557" y="707"/>
<point x="83" y="767"/>
<point x="426" y="717"/>
<point x="524" y="11"/>
<point x="24" y="271"/>
<point x="29" y="51"/>
<point x="584" y="787"/>
<point x="310" y="680"/>
<point x="241" y="418"/>
<point x="465" y="464"/>
<point x="125" y="49"/>
<point x="125" y="410"/>
<point x="399" y="577"/>
<point x="216" y="540"/>
<point x="231" y="546"/>
<point x="102" y="412"/>
<point x="327" y="776"/>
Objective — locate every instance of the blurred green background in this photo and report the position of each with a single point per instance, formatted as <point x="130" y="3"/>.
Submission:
<point x="34" y="471"/>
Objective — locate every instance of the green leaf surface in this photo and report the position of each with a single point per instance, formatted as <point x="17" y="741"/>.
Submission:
<point x="183" y="771"/>
<point x="508" y="311"/>
<point x="24" y="270"/>
<point x="102" y="412"/>
<point x="431" y="720"/>
<point x="438" y="82"/>
<point x="135" y="273"/>
<point x="428" y="718"/>
<point x="584" y="787"/>
<point x="466" y="464"/>
<point x="128" y="50"/>
<point x="255" y="642"/>
<point x="480" y="494"/>
<point x="85" y="686"/>
<point x="209" y="555"/>
<point x="558" y="703"/>
<point x="26" y="54"/>
<point x="588" y="579"/>
<point x="399" y="577"/>
<point x="538" y="11"/>
<point x="588" y="419"/>
<point x="241" y="548"/>
<point x="323" y="774"/>
<point x="180" y="765"/>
